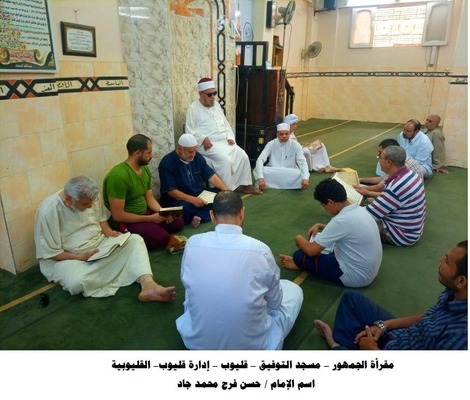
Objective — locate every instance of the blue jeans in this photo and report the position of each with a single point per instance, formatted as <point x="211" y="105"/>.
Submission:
<point x="324" y="266"/>
<point x="355" y="311"/>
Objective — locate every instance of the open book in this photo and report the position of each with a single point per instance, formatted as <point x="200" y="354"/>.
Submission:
<point x="348" y="177"/>
<point x="207" y="196"/>
<point x="109" y="245"/>
<point x="167" y="211"/>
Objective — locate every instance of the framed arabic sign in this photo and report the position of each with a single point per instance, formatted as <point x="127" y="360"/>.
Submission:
<point x="78" y="40"/>
<point x="26" y="39"/>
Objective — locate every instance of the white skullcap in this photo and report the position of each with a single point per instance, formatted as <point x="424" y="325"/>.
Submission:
<point x="204" y="84"/>
<point x="283" y="127"/>
<point x="290" y="119"/>
<point x="187" y="140"/>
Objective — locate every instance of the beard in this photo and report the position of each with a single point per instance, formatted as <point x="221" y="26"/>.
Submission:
<point x="142" y="162"/>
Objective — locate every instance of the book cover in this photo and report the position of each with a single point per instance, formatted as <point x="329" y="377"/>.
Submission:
<point x="171" y="211"/>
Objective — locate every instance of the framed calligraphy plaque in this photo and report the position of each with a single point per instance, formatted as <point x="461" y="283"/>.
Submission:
<point x="78" y="40"/>
<point x="25" y="37"/>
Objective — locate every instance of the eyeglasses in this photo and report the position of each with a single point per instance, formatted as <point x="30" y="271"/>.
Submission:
<point x="210" y="94"/>
<point x="86" y="204"/>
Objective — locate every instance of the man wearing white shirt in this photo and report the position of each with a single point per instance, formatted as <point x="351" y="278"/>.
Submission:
<point x="235" y="299"/>
<point x="417" y="145"/>
<point x="286" y="166"/>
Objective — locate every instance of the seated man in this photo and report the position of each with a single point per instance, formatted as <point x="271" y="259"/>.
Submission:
<point x="362" y="324"/>
<point x="206" y="120"/>
<point x="183" y="176"/>
<point x="69" y="227"/>
<point x="375" y="185"/>
<point x="400" y="209"/>
<point x="434" y="133"/>
<point x="417" y="145"/>
<point x="351" y="239"/>
<point x="238" y="303"/>
<point x="286" y="167"/>
<point x="127" y="192"/>
<point x="315" y="153"/>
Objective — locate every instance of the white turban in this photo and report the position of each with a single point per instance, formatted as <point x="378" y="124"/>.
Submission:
<point x="290" y="119"/>
<point x="205" y="84"/>
<point x="187" y="140"/>
<point x="283" y="127"/>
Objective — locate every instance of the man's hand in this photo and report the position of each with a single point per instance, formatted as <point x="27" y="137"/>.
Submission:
<point x="87" y="255"/>
<point x="368" y="338"/>
<point x="362" y="190"/>
<point x="197" y="202"/>
<point x="157" y="218"/>
<point x="111" y="233"/>
<point x="314" y="229"/>
<point x="231" y="142"/>
<point x="305" y="184"/>
<point x="206" y="143"/>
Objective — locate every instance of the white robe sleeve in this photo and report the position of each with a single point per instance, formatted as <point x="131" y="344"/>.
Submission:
<point x="262" y="158"/>
<point x="47" y="233"/>
<point x="192" y="124"/>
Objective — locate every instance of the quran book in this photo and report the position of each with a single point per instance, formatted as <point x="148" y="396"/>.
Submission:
<point x="207" y="196"/>
<point x="315" y="145"/>
<point x="348" y="177"/>
<point x="174" y="211"/>
<point x="109" y="245"/>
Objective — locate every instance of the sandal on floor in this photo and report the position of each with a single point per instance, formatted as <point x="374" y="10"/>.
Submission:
<point x="176" y="244"/>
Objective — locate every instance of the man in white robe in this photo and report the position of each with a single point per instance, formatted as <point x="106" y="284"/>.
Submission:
<point x="206" y="120"/>
<point x="286" y="167"/>
<point x="235" y="299"/>
<point x="315" y="153"/>
<point x="70" y="226"/>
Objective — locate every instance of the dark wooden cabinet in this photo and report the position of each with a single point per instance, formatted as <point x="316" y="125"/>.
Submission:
<point x="260" y="107"/>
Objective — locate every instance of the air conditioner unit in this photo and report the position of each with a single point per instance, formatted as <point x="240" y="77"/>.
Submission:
<point x="324" y="5"/>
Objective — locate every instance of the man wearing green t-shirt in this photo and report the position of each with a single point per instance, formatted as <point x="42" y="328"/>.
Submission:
<point x="127" y="193"/>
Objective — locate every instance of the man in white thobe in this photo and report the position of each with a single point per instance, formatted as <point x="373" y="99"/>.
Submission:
<point x="315" y="153"/>
<point x="206" y="120"/>
<point x="235" y="299"/>
<point x="286" y="167"/>
<point x="70" y="226"/>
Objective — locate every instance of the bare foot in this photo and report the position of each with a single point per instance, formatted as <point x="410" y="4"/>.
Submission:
<point x="288" y="262"/>
<point x="325" y="331"/>
<point x="196" y="221"/>
<point x="157" y="293"/>
<point x="329" y="169"/>
<point x="442" y="170"/>
<point x="250" y="189"/>
<point x="321" y="170"/>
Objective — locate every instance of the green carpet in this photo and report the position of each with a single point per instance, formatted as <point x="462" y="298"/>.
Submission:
<point x="407" y="282"/>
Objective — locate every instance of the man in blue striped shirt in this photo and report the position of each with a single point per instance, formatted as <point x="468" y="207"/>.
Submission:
<point x="400" y="209"/>
<point x="362" y="324"/>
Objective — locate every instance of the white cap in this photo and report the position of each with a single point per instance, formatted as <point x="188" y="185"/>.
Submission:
<point x="290" y="119"/>
<point x="187" y="140"/>
<point x="283" y="127"/>
<point x="204" y="84"/>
